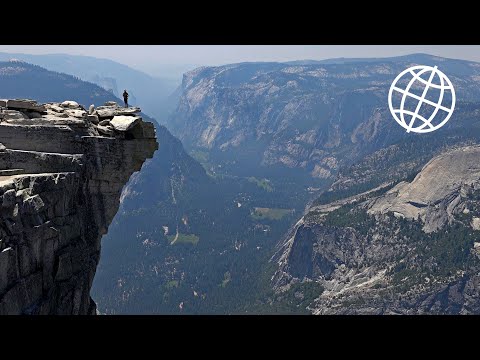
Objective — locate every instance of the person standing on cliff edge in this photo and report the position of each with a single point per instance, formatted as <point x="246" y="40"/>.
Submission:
<point x="125" y="97"/>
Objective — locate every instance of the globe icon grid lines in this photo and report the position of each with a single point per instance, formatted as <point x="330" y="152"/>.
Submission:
<point x="444" y="86"/>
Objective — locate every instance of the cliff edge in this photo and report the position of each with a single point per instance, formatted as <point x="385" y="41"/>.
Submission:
<point x="62" y="170"/>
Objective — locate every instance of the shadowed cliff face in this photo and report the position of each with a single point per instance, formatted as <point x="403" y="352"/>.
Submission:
<point x="62" y="170"/>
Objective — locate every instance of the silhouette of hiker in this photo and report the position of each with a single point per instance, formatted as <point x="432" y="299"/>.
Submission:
<point x="125" y="97"/>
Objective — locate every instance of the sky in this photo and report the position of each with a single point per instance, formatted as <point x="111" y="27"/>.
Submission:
<point x="155" y="59"/>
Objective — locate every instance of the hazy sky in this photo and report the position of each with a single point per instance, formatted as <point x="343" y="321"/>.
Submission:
<point x="153" y="58"/>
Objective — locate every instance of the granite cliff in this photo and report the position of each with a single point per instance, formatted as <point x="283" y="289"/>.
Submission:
<point x="266" y="119"/>
<point x="62" y="170"/>
<point x="405" y="248"/>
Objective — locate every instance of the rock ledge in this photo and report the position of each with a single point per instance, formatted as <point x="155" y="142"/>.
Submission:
<point x="62" y="170"/>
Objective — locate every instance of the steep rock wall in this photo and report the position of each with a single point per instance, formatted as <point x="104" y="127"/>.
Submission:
<point x="62" y="170"/>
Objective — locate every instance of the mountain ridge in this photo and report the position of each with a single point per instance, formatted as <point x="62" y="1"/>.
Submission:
<point x="312" y="119"/>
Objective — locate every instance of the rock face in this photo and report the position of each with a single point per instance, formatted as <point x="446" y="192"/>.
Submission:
<point x="310" y="118"/>
<point x="436" y="192"/>
<point x="413" y="249"/>
<point x="61" y="178"/>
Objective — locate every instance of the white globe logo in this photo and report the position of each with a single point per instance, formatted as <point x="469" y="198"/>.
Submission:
<point x="433" y="89"/>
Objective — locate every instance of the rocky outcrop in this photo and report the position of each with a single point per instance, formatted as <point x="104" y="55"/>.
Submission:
<point x="62" y="170"/>
<point x="436" y="192"/>
<point x="413" y="249"/>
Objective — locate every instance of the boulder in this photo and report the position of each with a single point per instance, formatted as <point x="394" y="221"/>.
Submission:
<point x="124" y="123"/>
<point x="104" y="112"/>
<point x="69" y="104"/>
<point x="77" y="113"/>
<point x="104" y="123"/>
<point x="111" y="103"/>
